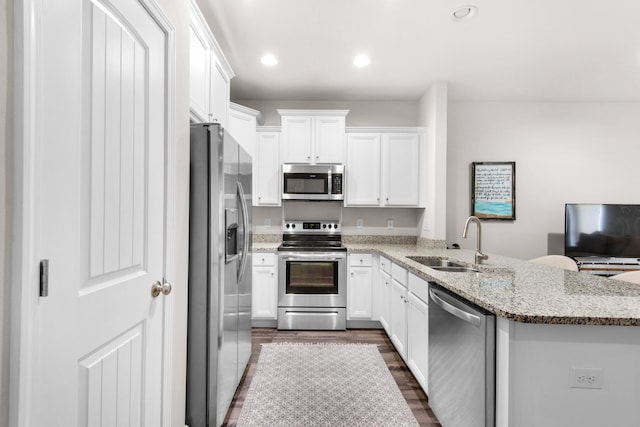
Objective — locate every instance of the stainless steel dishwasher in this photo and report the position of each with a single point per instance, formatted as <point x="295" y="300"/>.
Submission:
<point x="461" y="361"/>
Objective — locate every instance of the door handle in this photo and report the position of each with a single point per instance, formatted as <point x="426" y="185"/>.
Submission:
<point x="459" y="313"/>
<point x="246" y="232"/>
<point x="158" y="288"/>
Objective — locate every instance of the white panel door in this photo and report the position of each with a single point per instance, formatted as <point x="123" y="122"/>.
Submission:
<point x="398" y="326"/>
<point x="220" y="87"/>
<point x="360" y="293"/>
<point x="418" y="338"/>
<point x="199" y="79"/>
<point x="264" y="292"/>
<point x="328" y="140"/>
<point x="267" y="170"/>
<point x="242" y="127"/>
<point x="385" y="301"/>
<point x="363" y="169"/>
<point x="296" y="139"/>
<point x="400" y="169"/>
<point x="100" y="194"/>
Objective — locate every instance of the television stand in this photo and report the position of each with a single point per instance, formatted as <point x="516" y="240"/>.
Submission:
<point x="607" y="266"/>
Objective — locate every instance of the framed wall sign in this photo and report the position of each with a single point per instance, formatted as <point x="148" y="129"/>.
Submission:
<point x="493" y="190"/>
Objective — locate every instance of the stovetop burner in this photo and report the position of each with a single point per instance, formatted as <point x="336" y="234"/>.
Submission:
<point x="316" y="236"/>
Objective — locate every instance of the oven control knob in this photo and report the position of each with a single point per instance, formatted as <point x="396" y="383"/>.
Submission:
<point x="293" y="226"/>
<point x="324" y="225"/>
<point x="335" y="226"/>
<point x="288" y="225"/>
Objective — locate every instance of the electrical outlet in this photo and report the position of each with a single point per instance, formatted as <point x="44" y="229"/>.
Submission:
<point x="267" y="222"/>
<point x="359" y="223"/>
<point x="586" y="378"/>
<point x="390" y="224"/>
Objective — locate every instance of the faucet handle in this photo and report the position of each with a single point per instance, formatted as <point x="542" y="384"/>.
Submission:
<point x="480" y="257"/>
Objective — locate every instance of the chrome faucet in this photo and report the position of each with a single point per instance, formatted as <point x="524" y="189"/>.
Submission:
<point x="479" y="257"/>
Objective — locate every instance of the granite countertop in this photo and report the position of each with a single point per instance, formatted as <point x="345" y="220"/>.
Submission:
<point x="523" y="291"/>
<point x="265" y="246"/>
<point x="517" y="289"/>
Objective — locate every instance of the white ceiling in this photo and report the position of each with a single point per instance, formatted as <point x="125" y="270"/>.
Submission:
<point x="542" y="50"/>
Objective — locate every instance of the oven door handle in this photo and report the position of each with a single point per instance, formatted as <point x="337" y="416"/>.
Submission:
<point x="307" y="257"/>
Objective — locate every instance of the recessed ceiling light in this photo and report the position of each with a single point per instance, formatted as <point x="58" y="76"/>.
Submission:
<point x="361" y="60"/>
<point x="269" y="60"/>
<point x="463" y="13"/>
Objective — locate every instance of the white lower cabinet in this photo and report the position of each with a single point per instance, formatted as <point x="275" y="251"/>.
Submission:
<point x="404" y="315"/>
<point x="360" y="289"/>
<point x="264" y="296"/>
<point x="398" y="325"/>
<point x="417" y="330"/>
<point x="398" y="298"/>
<point x="384" y="293"/>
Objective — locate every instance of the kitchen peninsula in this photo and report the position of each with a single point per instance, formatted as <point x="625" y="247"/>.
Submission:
<point x="550" y="323"/>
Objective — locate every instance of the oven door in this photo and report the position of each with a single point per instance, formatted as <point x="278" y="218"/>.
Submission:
<point x="312" y="279"/>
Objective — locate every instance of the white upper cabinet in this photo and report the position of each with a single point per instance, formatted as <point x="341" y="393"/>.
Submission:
<point x="242" y="123"/>
<point x="385" y="169"/>
<point x="400" y="169"/>
<point x="363" y="169"/>
<point x="296" y="139"/>
<point x="266" y="169"/>
<point x="198" y="74"/>
<point x="209" y="73"/>
<point x="313" y="136"/>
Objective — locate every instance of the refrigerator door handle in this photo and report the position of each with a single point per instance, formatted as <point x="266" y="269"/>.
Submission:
<point x="459" y="313"/>
<point x="246" y="231"/>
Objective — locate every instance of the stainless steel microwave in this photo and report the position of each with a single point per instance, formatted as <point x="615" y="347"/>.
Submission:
<point x="312" y="182"/>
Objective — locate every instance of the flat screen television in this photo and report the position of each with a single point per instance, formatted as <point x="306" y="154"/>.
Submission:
<point x="602" y="230"/>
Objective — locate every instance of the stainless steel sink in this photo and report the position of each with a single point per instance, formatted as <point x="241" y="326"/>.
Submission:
<point x="443" y="264"/>
<point x="457" y="269"/>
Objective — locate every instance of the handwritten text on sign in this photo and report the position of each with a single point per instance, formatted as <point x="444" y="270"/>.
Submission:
<point x="493" y="183"/>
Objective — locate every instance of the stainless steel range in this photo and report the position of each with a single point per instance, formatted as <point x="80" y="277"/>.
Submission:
<point x="312" y="293"/>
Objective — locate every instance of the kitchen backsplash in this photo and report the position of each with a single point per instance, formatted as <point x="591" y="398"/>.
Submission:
<point x="366" y="239"/>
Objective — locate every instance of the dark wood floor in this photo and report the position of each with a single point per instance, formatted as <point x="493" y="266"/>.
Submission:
<point x="407" y="384"/>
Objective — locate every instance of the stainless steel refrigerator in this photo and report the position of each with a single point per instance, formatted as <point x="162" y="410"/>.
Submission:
<point x="219" y="318"/>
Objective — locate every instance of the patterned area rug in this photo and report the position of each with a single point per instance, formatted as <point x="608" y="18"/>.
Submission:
<point x="323" y="385"/>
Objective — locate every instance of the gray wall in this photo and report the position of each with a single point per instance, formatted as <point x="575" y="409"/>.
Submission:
<point x="6" y="30"/>
<point x="564" y="152"/>
<point x="361" y="113"/>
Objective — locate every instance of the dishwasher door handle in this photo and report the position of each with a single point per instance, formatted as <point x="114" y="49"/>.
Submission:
<point x="449" y="308"/>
